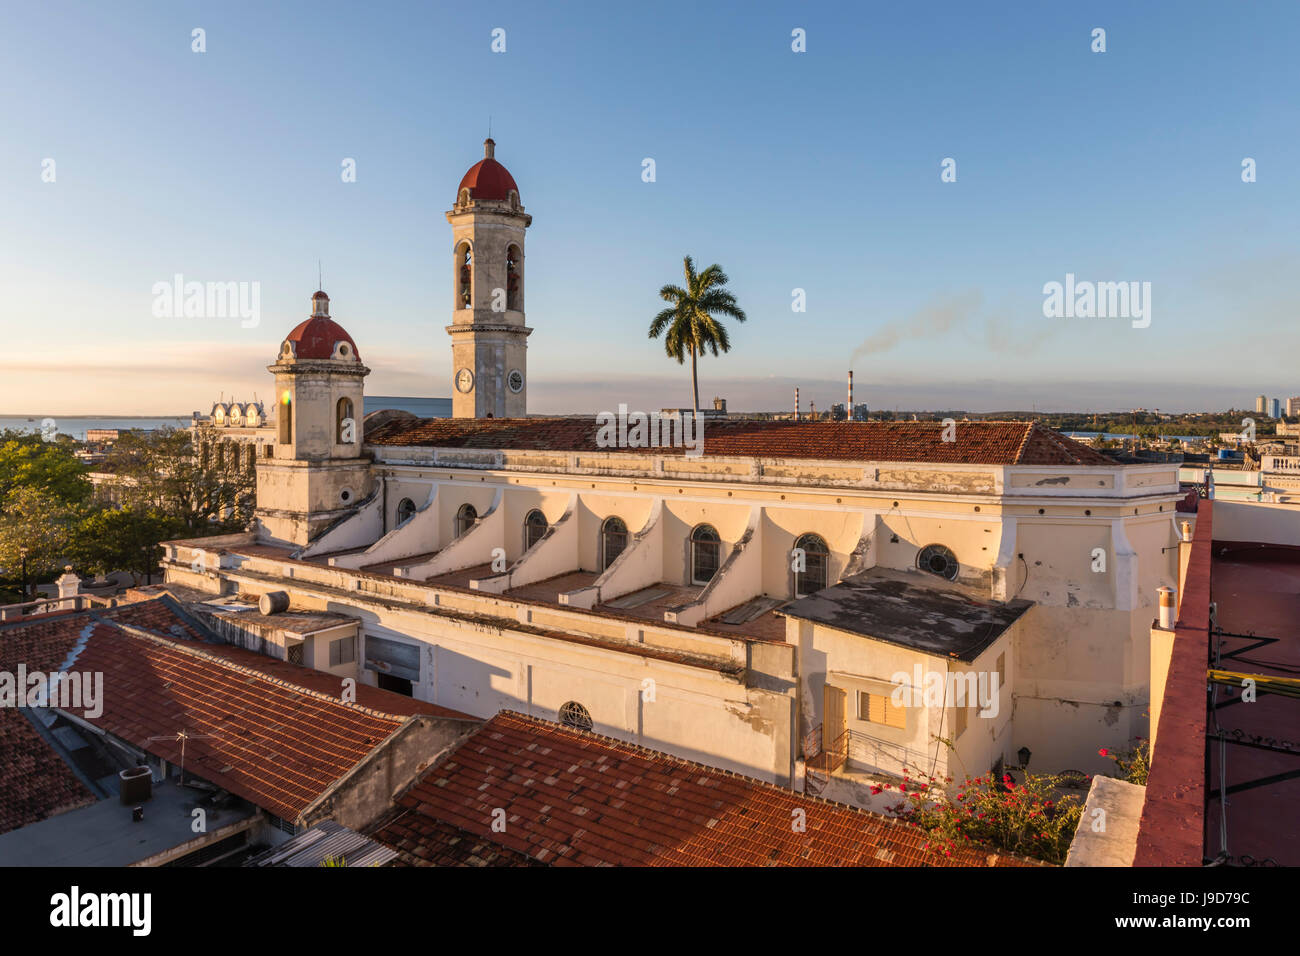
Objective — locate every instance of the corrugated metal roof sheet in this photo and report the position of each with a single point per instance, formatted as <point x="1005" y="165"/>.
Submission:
<point x="326" y="840"/>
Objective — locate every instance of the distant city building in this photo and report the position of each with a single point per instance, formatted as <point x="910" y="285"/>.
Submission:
<point x="704" y="412"/>
<point x="1275" y="408"/>
<point x="1293" y="407"/>
<point x="244" y="433"/>
<point x="860" y="412"/>
<point x="1261" y="405"/>
<point x="102" y="434"/>
<point x="838" y="412"/>
<point x="720" y="405"/>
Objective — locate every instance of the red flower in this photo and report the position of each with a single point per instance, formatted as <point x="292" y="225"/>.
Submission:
<point x="1104" y="752"/>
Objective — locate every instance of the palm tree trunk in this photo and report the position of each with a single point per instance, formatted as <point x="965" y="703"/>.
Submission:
<point x="695" y="385"/>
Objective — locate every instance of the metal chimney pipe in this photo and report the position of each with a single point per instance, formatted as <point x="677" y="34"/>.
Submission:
<point x="1187" y="531"/>
<point x="796" y="403"/>
<point x="850" y="415"/>
<point x="1167" y="596"/>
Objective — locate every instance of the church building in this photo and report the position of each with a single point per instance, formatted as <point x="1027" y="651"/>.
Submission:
<point x="751" y="607"/>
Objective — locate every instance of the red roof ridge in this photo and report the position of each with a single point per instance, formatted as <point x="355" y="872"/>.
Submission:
<point x="1019" y="456"/>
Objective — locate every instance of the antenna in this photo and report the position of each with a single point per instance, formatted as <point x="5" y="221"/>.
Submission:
<point x="182" y="736"/>
<point x="320" y="276"/>
<point x="489" y="126"/>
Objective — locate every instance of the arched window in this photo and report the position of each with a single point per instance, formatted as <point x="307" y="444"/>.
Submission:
<point x="514" y="279"/>
<point x="465" y="519"/>
<point x="936" y="559"/>
<point x="342" y="415"/>
<point x="285" y="419"/>
<point x="405" y="508"/>
<point x="613" y="539"/>
<point x="573" y="714"/>
<point x="812" y="556"/>
<point x="464" y="276"/>
<point x="705" y="549"/>
<point x="534" y="528"/>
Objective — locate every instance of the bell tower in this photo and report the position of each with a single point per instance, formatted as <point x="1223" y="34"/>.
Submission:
<point x="489" y="346"/>
<point x="318" y="472"/>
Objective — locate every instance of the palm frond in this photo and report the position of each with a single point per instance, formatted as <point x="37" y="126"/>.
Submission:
<point x="661" y="322"/>
<point x="689" y="325"/>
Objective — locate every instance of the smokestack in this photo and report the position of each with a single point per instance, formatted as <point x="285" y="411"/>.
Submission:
<point x="850" y="407"/>
<point x="796" y="403"/>
<point x="1187" y="531"/>
<point x="1167" y="595"/>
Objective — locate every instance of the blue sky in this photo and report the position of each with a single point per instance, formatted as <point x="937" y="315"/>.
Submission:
<point x="816" y="170"/>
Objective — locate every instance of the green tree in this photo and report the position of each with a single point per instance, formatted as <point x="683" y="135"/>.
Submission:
<point x="38" y="523"/>
<point x="124" y="540"/>
<point x="49" y="467"/>
<point x="205" y="484"/>
<point x="690" y="321"/>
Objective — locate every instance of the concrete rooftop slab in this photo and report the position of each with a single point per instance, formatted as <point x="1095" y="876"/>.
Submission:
<point x="911" y="609"/>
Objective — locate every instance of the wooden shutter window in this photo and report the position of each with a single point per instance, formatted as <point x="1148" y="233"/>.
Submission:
<point x="880" y="709"/>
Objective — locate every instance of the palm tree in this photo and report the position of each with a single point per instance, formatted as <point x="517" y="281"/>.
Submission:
<point x="690" y="321"/>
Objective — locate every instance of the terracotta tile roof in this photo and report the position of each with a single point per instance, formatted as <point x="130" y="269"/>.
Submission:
<point x="280" y="738"/>
<point x="577" y="798"/>
<point x="421" y="840"/>
<point x="977" y="443"/>
<point x="36" y="783"/>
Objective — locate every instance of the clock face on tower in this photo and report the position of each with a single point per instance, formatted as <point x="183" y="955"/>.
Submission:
<point x="515" y="381"/>
<point x="465" y="380"/>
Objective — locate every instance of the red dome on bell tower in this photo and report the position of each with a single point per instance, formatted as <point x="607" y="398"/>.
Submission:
<point x="488" y="179"/>
<point x="320" y="337"/>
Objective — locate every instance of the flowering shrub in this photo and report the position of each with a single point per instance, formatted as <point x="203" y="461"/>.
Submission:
<point x="1135" y="764"/>
<point x="1026" y="818"/>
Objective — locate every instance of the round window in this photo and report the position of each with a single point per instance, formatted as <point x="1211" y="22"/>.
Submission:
<point x="936" y="559"/>
<point x="575" y="715"/>
<point x="345" y="496"/>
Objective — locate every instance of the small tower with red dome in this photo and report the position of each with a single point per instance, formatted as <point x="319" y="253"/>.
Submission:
<point x="317" y="473"/>
<point x="488" y="333"/>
